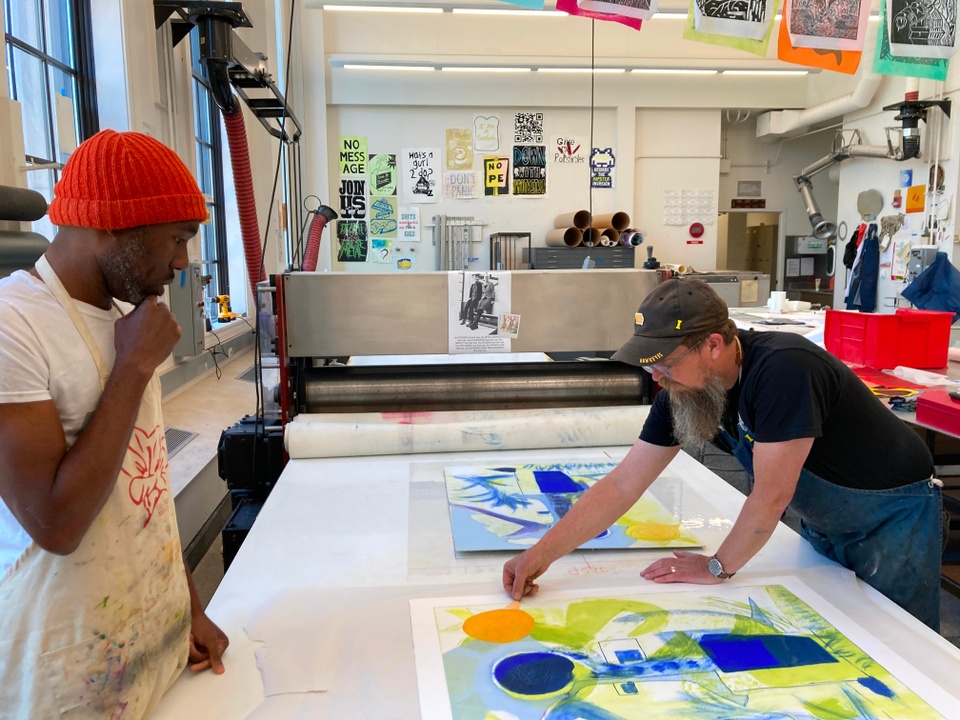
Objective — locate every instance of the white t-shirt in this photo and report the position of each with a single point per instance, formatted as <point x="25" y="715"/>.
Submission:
<point x="43" y="357"/>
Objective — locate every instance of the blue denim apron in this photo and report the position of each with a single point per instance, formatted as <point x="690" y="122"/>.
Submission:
<point x="890" y="538"/>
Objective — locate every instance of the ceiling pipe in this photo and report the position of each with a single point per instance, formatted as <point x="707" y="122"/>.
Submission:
<point x="777" y="123"/>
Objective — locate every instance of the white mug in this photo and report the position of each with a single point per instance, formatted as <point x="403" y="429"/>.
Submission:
<point x="776" y="301"/>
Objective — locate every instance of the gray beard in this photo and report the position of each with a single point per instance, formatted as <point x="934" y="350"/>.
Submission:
<point x="697" y="414"/>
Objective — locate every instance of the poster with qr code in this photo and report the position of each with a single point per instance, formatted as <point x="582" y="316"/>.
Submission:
<point x="528" y="128"/>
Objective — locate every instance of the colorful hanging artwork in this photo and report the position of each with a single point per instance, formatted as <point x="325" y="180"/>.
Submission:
<point x="922" y="29"/>
<point x="774" y="650"/>
<point x="756" y="47"/>
<point x="886" y="63"/>
<point x="841" y="25"/>
<point x="571" y="7"/>
<point x="844" y="61"/>
<point x="747" y="19"/>
<point x="509" y="508"/>
<point x="639" y="9"/>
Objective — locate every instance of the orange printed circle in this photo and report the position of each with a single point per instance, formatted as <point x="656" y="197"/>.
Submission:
<point x="653" y="531"/>
<point x="500" y="626"/>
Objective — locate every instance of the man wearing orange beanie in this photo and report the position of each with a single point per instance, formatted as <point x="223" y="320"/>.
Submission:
<point x="99" y="614"/>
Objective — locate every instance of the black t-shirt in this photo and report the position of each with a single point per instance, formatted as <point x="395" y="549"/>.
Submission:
<point x="789" y="389"/>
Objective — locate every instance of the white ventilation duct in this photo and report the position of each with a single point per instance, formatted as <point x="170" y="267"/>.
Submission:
<point x="779" y="123"/>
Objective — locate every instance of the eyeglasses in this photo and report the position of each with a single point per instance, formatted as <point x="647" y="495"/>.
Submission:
<point x="664" y="368"/>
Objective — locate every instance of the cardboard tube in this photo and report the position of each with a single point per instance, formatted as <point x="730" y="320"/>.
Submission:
<point x="631" y="238"/>
<point x="591" y="237"/>
<point x="609" y="238"/>
<point x="564" y="237"/>
<point x="579" y="219"/>
<point x="619" y="221"/>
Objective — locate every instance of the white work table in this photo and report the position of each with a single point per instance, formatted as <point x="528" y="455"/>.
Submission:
<point x="349" y="541"/>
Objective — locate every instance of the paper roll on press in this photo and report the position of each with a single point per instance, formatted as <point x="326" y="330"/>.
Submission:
<point x="564" y="237"/>
<point x="579" y="219"/>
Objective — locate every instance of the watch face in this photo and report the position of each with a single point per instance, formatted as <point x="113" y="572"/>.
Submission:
<point x="715" y="568"/>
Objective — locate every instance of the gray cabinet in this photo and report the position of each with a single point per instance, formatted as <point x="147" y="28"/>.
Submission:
<point x="548" y="258"/>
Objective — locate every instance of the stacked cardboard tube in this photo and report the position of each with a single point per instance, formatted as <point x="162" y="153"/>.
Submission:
<point x="606" y="230"/>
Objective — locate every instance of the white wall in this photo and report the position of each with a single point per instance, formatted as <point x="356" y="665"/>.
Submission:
<point x="774" y="165"/>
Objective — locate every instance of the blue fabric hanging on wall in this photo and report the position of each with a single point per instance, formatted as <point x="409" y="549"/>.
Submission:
<point x="937" y="287"/>
<point x="862" y="295"/>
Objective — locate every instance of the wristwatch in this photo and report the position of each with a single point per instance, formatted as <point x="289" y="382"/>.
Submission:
<point x="716" y="569"/>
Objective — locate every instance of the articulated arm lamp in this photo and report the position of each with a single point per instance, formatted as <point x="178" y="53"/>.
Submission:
<point x="910" y="114"/>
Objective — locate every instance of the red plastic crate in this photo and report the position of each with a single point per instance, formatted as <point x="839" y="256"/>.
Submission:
<point x="937" y="409"/>
<point x="912" y="338"/>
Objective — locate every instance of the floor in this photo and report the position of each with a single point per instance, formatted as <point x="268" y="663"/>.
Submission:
<point x="209" y="572"/>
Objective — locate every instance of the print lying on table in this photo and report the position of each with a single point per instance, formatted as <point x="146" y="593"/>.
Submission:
<point x="719" y="652"/>
<point x="510" y="508"/>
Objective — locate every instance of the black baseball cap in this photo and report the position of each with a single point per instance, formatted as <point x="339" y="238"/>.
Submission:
<point x="675" y="309"/>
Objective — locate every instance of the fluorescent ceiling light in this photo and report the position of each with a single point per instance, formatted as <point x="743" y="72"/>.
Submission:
<point x="414" y="68"/>
<point x="580" y="70"/>
<point x="673" y="71"/>
<point x="537" y="13"/>
<point x="378" y="8"/>
<point x="764" y="72"/>
<point x="486" y="69"/>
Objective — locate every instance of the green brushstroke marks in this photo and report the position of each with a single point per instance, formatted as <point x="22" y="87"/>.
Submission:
<point x="585" y="619"/>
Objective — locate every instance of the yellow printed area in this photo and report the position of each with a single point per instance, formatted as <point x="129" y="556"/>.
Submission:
<point x="499" y="626"/>
<point x="658" y="532"/>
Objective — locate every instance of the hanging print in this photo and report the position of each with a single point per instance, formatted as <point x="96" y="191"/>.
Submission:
<point x="844" y="61"/>
<point x="756" y="47"/>
<point x="571" y="7"/>
<point x="886" y="63"/>
<point x="748" y="19"/>
<point x="639" y="9"/>
<point x="841" y="25"/>
<point x="420" y="168"/>
<point x="923" y="29"/>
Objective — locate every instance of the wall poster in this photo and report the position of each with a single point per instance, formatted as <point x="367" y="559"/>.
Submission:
<point x="352" y="158"/>
<point x="528" y="127"/>
<point x="408" y="226"/>
<point x="382" y="169"/>
<point x="461" y="185"/>
<point x="529" y="170"/>
<point x="496" y="175"/>
<point x="603" y="166"/>
<point x="459" y="149"/>
<point x="486" y="133"/>
<point x="352" y="240"/>
<point x="420" y="168"/>
<point x="383" y="217"/>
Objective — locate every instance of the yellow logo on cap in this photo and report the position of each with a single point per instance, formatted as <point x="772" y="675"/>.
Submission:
<point x="679" y="323"/>
<point x="638" y="318"/>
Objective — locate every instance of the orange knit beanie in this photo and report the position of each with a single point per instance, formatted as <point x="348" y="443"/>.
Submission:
<point x="119" y="180"/>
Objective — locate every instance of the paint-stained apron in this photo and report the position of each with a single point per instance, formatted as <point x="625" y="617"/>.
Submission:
<point x="890" y="538"/>
<point x="102" y="632"/>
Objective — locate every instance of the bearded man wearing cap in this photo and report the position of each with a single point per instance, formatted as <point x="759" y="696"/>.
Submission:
<point x="803" y="425"/>
<point x="100" y="614"/>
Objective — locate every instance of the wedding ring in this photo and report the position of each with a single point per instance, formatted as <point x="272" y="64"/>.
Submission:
<point x="673" y="569"/>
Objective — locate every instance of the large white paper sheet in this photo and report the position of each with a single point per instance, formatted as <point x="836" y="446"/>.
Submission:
<point x="756" y="650"/>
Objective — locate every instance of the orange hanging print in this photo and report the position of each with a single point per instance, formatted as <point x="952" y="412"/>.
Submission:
<point x="844" y="61"/>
